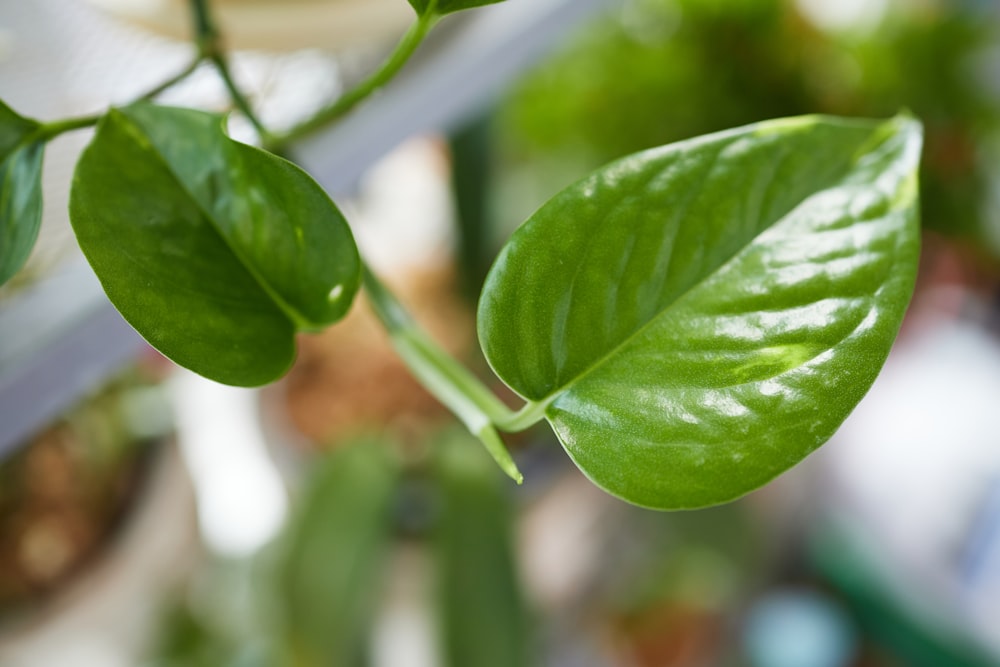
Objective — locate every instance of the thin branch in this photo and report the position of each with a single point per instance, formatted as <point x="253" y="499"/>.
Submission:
<point x="48" y="131"/>
<point x="52" y="130"/>
<point x="206" y="36"/>
<point x="239" y="100"/>
<point x="346" y="102"/>
<point x="208" y="39"/>
<point x="174" y="80"/>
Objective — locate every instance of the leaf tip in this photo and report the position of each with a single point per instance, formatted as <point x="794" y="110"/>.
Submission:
<point x="494" y="445"/>
<point x="510" y="468"/>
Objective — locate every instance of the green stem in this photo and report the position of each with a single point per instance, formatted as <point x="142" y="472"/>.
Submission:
<point x="236" y="95"/>
<point x="206" y="36"/>
<point x="400" y="55"/>
<point x="209" y="42"/>
<point x="174" y="80"/>
<point x="48" y="131"/>
<point x="51" y="130"/>
<point x="529" y="415"/>
<point x="448" y="380"/>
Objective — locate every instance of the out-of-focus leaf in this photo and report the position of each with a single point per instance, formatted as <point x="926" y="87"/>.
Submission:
<point x="483" y="617"/>
<point x="20" y="189"/>
<point x="332" y="566"/>
<point x="698" y="318"/>
<point x="442" y="7"/>
<point x="216" y="252"/>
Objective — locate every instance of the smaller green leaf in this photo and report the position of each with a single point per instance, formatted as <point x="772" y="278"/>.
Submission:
<point x="20" y="189"/>
<point x="442" y="7"/>
<point x="332" y="561"/>
<point x="484" y="619"/>
<point x="216" y="252"/>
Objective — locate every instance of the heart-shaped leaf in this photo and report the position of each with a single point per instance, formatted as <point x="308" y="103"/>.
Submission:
<point x="698" y="318"/>
<point x="21" y="153"/>
<point x="442" y="7"/>
<point x="215" y="251"/>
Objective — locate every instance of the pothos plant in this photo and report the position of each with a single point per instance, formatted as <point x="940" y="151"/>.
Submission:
<point x="691" y="320"/>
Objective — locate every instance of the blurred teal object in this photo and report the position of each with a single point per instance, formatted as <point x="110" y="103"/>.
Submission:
<point x="928" y="636"/>
<point x="910" y="514"/>
<point x="799" y="628"/>
<point x="981" y="557"/>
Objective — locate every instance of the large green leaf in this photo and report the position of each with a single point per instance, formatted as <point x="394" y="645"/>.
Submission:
<point x="20" y="189"/>
<point x="216" y="252"/>
<point x="442" y="7"/>
<point x="332" y="563"/>
<point x="483" y="616"/>
<point x="697" y="318"/>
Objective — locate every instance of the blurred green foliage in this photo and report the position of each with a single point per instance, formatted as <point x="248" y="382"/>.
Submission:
<point x="334" y="557"/>
<point x="482" y="611"/>
<point x="312" y="598"/>
<point x="656" y="71"/>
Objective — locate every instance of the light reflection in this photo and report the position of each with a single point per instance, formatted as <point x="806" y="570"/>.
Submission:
<point x="722" y="403"/>
<point x="241" y="499"/>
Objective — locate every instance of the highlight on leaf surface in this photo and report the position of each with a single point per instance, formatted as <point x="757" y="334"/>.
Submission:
<point x="697" y="318"/>
<point x="215" y="251"/>
<point x="21" y="152"/>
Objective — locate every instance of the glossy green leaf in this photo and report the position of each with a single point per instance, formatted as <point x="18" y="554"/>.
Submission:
<point x="216" y="252"/>
<point x="21" y="153"/>
<point x="332" y="563"/>
<point x="696" y="319"/>
<point x="442" y="7"/>
<point x="483" y="616"/>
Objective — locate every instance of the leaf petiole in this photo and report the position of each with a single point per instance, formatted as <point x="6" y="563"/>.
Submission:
<point x="343" y="104"/>
<point x="48" y="131"/>
<point x="530" y="414"/>
<point x="447" y="380"/>
<point x="174" y="80"/>
<point x="207" y="39"/>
